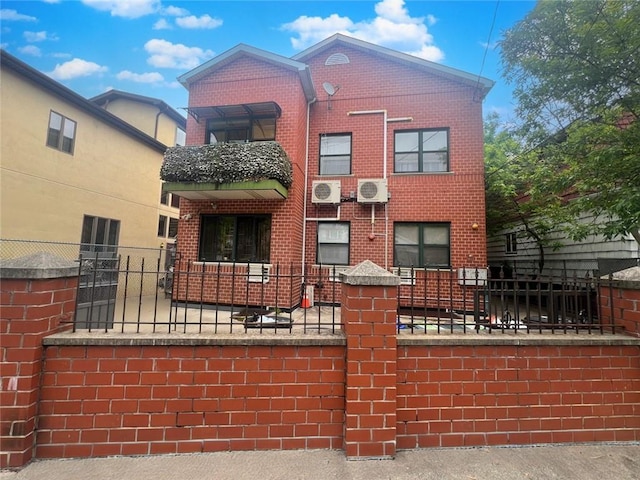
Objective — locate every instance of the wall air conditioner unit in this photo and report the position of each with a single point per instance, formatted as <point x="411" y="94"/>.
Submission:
<point x="372" y="191"/>
<point x="325" y="191"/>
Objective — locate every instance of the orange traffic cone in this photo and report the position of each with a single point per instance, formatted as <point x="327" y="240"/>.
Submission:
<point x="305" y="302"/>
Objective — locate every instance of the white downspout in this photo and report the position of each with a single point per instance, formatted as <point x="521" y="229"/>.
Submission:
<point x="306" y="189"/>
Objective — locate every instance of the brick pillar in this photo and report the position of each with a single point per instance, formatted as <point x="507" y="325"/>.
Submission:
<point x="369" y="313"/>
<point x="620" y="300"/>
<point x="37" y="294"/>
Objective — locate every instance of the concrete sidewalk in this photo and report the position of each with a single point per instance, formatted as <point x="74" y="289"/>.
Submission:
<point x="566" y="462"/>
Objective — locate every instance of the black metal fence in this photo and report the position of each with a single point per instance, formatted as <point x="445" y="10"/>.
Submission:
<point x="133" y="290"/>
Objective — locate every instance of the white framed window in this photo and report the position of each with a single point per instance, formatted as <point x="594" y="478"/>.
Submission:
<point x="511" y="243"/>
<point x="333" y="243"/>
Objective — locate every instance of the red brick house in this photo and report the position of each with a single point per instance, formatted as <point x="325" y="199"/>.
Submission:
<point x="360" y="153"/>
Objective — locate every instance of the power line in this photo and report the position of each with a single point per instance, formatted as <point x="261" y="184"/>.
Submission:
<point x="486" y="48"/>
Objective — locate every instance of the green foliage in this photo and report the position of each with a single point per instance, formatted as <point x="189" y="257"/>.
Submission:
<point x="576" y="70"/>
<point x="227" y="163"/>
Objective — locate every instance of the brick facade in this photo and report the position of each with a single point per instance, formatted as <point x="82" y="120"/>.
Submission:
<point x="375" y="79"/>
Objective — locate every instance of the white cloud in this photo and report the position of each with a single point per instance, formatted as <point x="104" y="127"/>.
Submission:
<point x="125" y="8"/>
<point x="8" y="14"/>
<point x="33" y="37"/>
<point x="162" y="24"/>
<point x="165" y="54"/>
<point x="175" y="11"/>
<point x="30" y="50"/>
<point x="204" y="22"/>
<point x="393" y="27"/>
<point x="313" y="29"/>
<point x="151" y="77"/>
<point x="76" y="68"/>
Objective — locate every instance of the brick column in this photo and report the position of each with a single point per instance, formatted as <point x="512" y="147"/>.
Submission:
<point x="620" y="300"/>
<point x="369" y="313"/>
<point x="37" y="294"/>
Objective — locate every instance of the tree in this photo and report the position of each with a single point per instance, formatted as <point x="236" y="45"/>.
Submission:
<point x="576" y="70"/>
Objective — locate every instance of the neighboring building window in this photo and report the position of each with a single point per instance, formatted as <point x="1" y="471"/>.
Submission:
<point x="333" y="243"/>
<point x="173" y="228"/>
<point x="335" y="154"/>
<point x="99" y="234"/>
<point x="62" y="133"/>
<point x="175" y="201"/>
<point x="235" y="238"/>
<point x="164" y="198"/>
<point x="422" y="245"/>
<point x="422" y="151"/>
<point x="162" y="226"/>
<point x="511" y="242"/>
<point x="181" y="137"/>
<point x="241" y="130"/>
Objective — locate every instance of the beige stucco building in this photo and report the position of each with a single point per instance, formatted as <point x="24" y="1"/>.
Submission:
<point x="77" y="170"/>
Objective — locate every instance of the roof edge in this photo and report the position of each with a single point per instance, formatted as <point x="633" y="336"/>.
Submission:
<point x="13" y="63"/>
<point x="242" y="49"/>
<point x="465" y="77"/>
<point x="161" y="104"/>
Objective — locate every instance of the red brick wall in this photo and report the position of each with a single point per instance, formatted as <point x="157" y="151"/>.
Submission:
<point x="507" y="395"/>
<point x="246" y="81"/>
<point x="369" y="83"/>
<point x="107" y="400"/>
<point x="620" y="305"/>
<point x="31" y="309"/>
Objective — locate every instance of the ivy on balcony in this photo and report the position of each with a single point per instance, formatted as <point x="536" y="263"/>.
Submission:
<point x="222" y="163"/>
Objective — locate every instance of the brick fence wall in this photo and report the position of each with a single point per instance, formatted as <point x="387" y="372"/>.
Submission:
<point x="369" y="391"/>
<point x="119" y="400"/>
<point x="620" y="300"/>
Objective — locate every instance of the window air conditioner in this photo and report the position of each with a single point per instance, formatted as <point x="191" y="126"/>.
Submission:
<point x="325" y="191"/>
<point x="372" y="191"/>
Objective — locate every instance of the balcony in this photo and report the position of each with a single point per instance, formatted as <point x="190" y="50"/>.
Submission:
<point x="228" y="171"/>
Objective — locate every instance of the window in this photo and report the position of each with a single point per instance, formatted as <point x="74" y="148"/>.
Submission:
<point x="162" y="226"/>
<point x="98" y="234"/>
<point x="241" y="130"/>
<point x="333" y="243"/>
<point x="235" y="238"/>
<point x="62" y="133"/>
<point x="170" y="199"/>
<point x="173" y="228"/>
<point x="335" y="154"/>
<point x="511" y="242"/>
<point x="181" y="137"/>
<point x="421" y="244"/>
<point x="422" y="151"/>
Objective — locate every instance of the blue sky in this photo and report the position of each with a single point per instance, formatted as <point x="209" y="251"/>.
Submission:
<point x="141" y="46"/>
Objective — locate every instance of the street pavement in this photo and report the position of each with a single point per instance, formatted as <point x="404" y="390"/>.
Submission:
<point x="559" y="462"/>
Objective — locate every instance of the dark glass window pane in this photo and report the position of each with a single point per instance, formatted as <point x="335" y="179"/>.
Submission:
<point x="162" y="226"/>
<point x="173" y="228"/>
